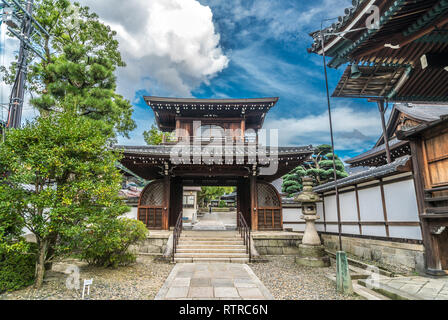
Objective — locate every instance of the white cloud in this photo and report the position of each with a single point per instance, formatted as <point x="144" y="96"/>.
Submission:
<point x="9" y="48"/>
<point x="170" y="46"/>
<point x="353" y="129"/>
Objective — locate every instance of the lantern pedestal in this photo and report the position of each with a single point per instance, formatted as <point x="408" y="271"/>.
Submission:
<point x="311" y="251"/>
<point x="312" y="256"/>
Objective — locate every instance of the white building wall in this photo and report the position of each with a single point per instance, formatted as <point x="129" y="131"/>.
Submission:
<point x="401" y="206"/>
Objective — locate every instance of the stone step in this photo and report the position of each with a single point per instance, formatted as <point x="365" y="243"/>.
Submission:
<point x="210" y="246"/>
<point x="366" y="293"/>
<point x="210" y="250"/>
<point x="207" y="243"/>
<point x="211" y="238"/>
<point x="211" y="260"/>
<point x="210" y="255"/>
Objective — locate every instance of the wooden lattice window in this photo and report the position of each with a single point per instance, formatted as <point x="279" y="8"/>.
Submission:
<point x="269" y="213"/>
<point x="151" y="206"/>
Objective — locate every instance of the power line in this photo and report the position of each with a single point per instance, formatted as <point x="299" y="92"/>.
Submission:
<point x="17" y="17"/>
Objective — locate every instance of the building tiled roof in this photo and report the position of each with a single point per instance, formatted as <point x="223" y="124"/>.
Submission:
<point x="394" y="143"/>
<point x="165" y="150"/>
<point x="424" y="112"/>
<point x="367" y="175"/>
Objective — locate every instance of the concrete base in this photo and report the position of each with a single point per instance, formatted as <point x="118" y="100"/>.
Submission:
<point x="343" y="279"/>
<point x="312" y="256"/>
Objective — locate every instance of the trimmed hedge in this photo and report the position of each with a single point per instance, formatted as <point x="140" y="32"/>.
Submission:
<point x="17" y="265"/>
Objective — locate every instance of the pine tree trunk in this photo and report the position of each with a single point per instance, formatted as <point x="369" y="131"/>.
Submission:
<point x="40" y="263"/>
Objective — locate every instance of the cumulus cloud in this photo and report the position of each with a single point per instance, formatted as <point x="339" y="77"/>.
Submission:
<point x="170" y="46"/>
<point x="9" y="47"/>
<point x="353" y="129"/>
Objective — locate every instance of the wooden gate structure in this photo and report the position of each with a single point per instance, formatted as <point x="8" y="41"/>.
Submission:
<point x="240" y="119"/>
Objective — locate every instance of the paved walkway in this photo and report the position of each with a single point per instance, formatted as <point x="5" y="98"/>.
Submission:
<point x="213" y="281"/>
<point x="218" y="221"/>
<point x="423" y="288"/>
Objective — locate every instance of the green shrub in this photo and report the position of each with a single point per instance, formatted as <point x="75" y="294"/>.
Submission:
<point x="106" y="244"/>
<point x="17" y="265"/>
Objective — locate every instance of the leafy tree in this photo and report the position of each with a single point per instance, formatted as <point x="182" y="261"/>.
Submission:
<point x="154" y="137"/>
<point x="213" y="193"/>
<point x="320" y="167"/>
<point x="81" y="57"/>
<point x="58" y="176"/>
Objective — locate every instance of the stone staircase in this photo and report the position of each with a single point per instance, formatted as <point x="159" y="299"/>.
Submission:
<point x="211" y="246"/>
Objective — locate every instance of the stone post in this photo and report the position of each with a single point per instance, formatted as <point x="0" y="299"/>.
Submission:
<point x="311" y="251"/>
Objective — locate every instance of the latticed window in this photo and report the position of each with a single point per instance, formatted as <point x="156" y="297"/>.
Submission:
<point x="188" y="201"/>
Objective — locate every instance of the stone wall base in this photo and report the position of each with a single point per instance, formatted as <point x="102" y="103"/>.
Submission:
<point x="155" y="244"/>
<point x="405" y="256"/>
<point x="277" y="243"/>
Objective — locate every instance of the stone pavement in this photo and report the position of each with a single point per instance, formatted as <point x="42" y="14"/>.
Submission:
<point x="218" y="221"/>
<point x="213" y="281"/>
<point x="423" y="288"/>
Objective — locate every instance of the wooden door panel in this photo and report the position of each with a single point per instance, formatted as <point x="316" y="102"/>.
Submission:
<point x="269" y="211"/>
<point x="151" y="205"/>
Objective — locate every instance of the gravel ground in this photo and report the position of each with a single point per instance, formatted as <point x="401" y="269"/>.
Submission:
<point x="139" y="281"/>
<point x="289" y="281"/>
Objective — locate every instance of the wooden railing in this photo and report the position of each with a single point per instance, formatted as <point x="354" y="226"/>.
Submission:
<point x="244" y="230"/>
<point x="176" y="235"/>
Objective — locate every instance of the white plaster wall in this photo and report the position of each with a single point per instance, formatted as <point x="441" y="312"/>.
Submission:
<point x="293" y="215"/>
<point x="378" y="231"/>
<point x="370" y="204"/>
<point x="350" y="229"/>
<point x="401" y="201"/>
<point x="401" y="205"/>
<point x="132" y="214"/>
<point x="330" y="209"/>
<point x="406" y="232"/>
<point x="349" y="211"/>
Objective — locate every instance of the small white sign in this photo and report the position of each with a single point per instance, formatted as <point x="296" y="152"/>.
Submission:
<point x="87" y="283"/>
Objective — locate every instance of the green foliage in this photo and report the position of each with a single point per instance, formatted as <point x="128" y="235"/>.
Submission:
<point x="106" y="243"/>
<point x="57" y="174"/>
<point x="154" y="136"/>
<point x="222" y="204"/>
<point x="213" y="193"/>
<point x="320" y="168"/>
<point x="17" y="265"/>
<point x="81" y="59"/>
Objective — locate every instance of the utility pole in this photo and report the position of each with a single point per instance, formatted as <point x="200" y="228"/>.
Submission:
<point x="18" y="89"/>
<point x="17" y="17"/>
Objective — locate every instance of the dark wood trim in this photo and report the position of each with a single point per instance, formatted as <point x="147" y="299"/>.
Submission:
<point x="325" y="215"/>
<point x="253" y="201"/>
<point x="358" y="208"/>
<point x="419" y="182"/>
<point x="166" y="209"/>
<point x="364" y="223"/>
<point x="399" y="240"/>
<point x="373" y="185"/>
<point x="383" y="202"/>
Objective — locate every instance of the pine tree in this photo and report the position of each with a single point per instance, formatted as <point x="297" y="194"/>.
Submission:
<point x="320" y="167"/>
<point x="81" y="58"/>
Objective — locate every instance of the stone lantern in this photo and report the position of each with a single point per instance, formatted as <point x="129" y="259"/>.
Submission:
<point x="311" y="251"/>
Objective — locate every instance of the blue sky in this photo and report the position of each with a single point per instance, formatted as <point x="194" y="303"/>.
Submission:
<point x="237" y="49"/>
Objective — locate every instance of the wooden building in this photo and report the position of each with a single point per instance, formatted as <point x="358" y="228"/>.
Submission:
<point x="429" y="145"/>
<point x="399" y="57"/>
<point x="215" y="143"/>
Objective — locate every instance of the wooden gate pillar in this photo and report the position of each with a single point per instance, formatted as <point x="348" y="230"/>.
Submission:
<point x="166" y="204"/>
<point x="253" y="202"/>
